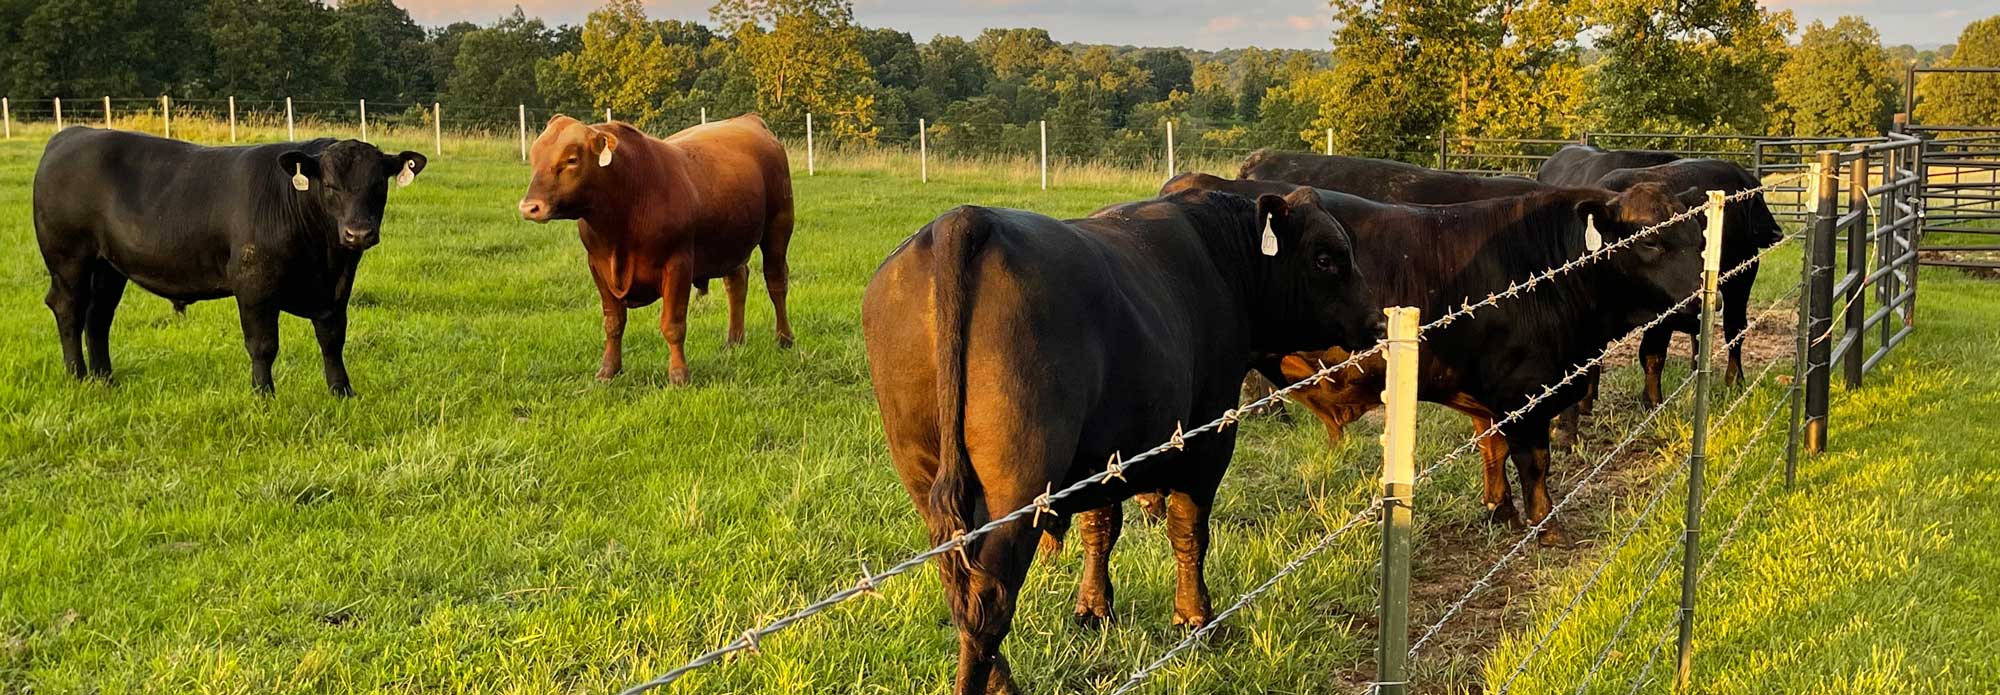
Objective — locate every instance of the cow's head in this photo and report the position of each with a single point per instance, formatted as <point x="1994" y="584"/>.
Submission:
<point x="1662" y="267"/>
<point x="349" y="180"/>
<point x="1314" y="295"/>
<point x="568" y="162"/>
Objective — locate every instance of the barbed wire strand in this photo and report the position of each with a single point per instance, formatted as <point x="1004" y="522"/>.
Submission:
<point x="1115" y="468"/>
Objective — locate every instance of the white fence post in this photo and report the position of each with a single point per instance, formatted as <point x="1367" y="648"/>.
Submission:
<point x="437" y="126"/>
<point x="7" y="117"/>
<point x="232" y="119"/>
<point x="1045" y="155"/>
<point x="166" y="116"/>
<point x="1329" y="142"/>
<point x="524" y="132"/>
<point x="58" y="113"/>
<point x="809" y="144"/>
<point x="607" y="114"/>
<point x="107" y="112"/>
<point x="1170" y="149"/>
<point x="364" y="120"/>
<point x="704" y="115"/>
<point x="290" y="134"/>
<point x="923" y="151"/>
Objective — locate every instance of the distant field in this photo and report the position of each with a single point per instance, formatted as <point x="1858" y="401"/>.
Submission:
<point x="488" y="518"/>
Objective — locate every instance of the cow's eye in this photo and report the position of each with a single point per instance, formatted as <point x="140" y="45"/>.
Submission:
<point x="1325" y="263"/>
<point x="572" y="160"/>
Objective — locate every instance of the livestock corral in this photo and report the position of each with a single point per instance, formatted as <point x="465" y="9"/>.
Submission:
<point x="487" y="517"/>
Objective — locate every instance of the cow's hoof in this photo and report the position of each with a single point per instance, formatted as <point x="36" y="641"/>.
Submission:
<point x="1553" y="537"/>
<point x="678" y="375"/>
<point x="733" y="340"/>
<point x="1091" y="618"/>
<point x="1192" y="620"/>
<point x="784" y="341"/>
<point x="606" y="374"/>
<point x="341" y="391"/>
<point x="1504" y="515"/>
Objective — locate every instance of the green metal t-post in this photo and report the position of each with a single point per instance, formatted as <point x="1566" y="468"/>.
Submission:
<point x="1399" y="479"/>
<point x="1711" y="272"/>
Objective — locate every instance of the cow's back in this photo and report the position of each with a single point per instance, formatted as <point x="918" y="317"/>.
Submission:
<point x="737" y="162"/>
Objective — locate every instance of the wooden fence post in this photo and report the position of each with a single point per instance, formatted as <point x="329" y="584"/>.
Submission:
<point x="166" y="116"/>
<point x="607" y="114"/>
<point x="1711" y="273"/>
<point x="107" y="111"/>
<point x="1329" y="142"/>
<point x="1045" y="155"/>
<point x="437" y="127"/>
<point x="1399" y="479"/>
<point x="232" y="119"/>
<point x="364" y="120"/>
<point x="524" y="132"/>
<point x="704" y="115"/>
<point x="923" y="151"/>
<point x="7" y="118"/>
<point x="1170" y="149"/>
<point x="59" y="123"/>
<point x="809" y="145"/>
<point x="1441" y="148"/>
<point x="290" y="134"/>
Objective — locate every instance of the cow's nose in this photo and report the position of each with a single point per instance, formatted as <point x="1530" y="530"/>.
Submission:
<point x="534" y="210"/>
<point x="358" y="238"/>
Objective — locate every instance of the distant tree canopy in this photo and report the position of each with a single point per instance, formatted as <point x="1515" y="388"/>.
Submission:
<point x="1398" y="72"/>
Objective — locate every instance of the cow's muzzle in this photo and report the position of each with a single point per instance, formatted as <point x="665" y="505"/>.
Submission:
<point x="359" y="239"/>
<point x="535" y="210"/>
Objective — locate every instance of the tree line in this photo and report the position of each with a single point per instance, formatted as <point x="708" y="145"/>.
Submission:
<point x="1399" y="72"/>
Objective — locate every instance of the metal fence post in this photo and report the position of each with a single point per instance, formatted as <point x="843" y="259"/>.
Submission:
<point x="524" y="131"/>
<point x="1170" y="149"/>
<point x="1856" y="295"/>
<point x="1399" y="478"/>
<point x="809" y="145"/>
<point x="290" y="134"/>
<point x="1711" y="271"/>
<point x="107" y="111"/>
<point x="1819" y="303"/>
<point x="1045" y="155"/>
<point x="923" y="151"/>
<point x="232" y="119"/>
<point x="166" y="116"/>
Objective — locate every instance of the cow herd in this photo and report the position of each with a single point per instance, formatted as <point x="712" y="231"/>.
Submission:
<point x="1011" y="353"/>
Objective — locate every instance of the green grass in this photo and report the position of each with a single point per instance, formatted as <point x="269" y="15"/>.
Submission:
<point x="488" y="518"/>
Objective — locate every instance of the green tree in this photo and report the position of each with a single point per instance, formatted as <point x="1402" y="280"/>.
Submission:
<point x="272" y="48"/>
<point x="79" y="48"/>
<point x="806" y="58"/>
<point x="1946" y="99"/>
<point x="1686" y="65"/>
<point x="494" y="69"/>
<point x="625" y="64"/>
<point x="378" y="52"/>
<point x="1838" y="82"/>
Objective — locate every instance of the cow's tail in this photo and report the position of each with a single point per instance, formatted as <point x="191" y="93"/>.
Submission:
<point x="956" y="238"/>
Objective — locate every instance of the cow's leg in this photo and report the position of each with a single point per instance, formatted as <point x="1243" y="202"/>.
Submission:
<point x="1735" y="319"/>
<point x="614" y="331"/>
<point x="69" y="300"/>
<point x="777" y="274"/>
<point x="674" y="319"/>
<point x="1529" y="444"/>
<point x="331" y="330"/>
<point x="1653" y="358"/>
<point x="259" y="316"/>
<point x="983" y="602"/>
<point x="107" y="287"/>
<point x="1187" y="529"/>
<point x="1100" y="528"/>
<point x="1493" y="474"/>
<point x="1590" y="380"/>
<point x="737" y="283"/>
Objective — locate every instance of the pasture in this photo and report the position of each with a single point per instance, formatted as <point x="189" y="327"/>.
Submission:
<point x="486" y="517"/>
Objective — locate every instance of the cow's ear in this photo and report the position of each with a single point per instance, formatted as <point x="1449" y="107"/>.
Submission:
<point x="1275" y="213"/>
<point x="1596" y="215"/>
<point x="300" y="166"/>
<point x="602" y="143"/>
<point x="405" y="166"/>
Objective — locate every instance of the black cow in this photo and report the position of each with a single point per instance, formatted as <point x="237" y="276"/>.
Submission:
<point x="280" y="227"/>
<point x="1012" y="352"/>
<point x="1747" y="228"/>
<point x="1379" y="179"/>
<point x="1493" y="362"/>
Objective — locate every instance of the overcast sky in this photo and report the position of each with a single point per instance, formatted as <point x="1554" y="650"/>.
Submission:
<point x="1203" y="24"/>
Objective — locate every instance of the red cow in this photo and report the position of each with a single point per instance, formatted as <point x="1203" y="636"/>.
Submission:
<point x="661" y="217"/>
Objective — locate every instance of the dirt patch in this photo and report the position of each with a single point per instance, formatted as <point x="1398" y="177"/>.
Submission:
<point x="1975" y="256"/>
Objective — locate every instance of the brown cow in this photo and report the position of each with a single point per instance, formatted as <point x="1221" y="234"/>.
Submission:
<point x="661" y="217"/>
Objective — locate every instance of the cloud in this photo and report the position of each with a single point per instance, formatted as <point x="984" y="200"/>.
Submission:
<point x="1223" y="24"/>
<point x="1305" y="23"/>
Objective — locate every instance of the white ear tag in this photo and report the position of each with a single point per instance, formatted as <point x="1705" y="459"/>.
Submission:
<point x="299" y="177"/>
<point x="1270" y="245"/>
<point x="404" y="177"/>
<point x="1591" y="239"/>
<point x="604" y="157"/>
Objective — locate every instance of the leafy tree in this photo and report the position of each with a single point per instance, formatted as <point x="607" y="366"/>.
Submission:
<point x="1686" y="65"/>
<point x="624" y="64"/>
<point x="78" y="48"/>
<point x="1171" y="71"/>
<point x="272" y="48"/>
<point x="377" y="52"/>
<point x="1017" y="53"/>
<point x="1838" y="82"/>
<point x="1947" y="99"/>
<point x="494" y="69"/>
<point x="806" y="58"/>
<point x="441" y="50"/>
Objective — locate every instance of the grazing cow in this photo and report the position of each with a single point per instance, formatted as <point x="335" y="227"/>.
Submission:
<point x="1496" y="360"/>
<point x="1012" y="353"/>
<point x="1380" y="179"/>
<point x="1747" y="228"/>
<point x="661" y="217"/>
<point x="280" y="227"/>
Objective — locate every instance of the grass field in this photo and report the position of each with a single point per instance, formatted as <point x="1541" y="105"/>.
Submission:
<point x="486" y="517"/>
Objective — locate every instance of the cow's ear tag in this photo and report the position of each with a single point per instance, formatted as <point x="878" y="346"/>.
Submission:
<point x="1591" y="239"/>
<point x="604" y="156"/>
<point x="299" y="177"/>
<point x="1270" y="245"/>
<point x="404" y="177"/>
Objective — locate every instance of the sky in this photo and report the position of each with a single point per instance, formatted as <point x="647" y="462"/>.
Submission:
<point x="1203" y="24"/>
